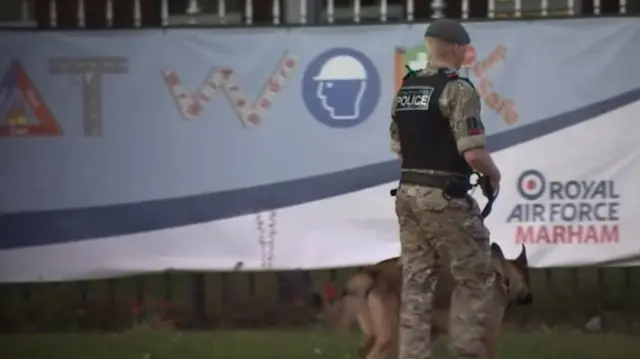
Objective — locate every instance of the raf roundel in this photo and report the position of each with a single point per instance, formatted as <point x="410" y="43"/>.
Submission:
<point x="531" y="184"/>
<point x="341" y="87"/>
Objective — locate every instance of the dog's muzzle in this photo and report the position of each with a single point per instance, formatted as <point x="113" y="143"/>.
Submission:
<point x="527" y="299"/>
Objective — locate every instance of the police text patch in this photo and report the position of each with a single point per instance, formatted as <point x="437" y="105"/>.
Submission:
<point x="413" y="98"/>
<point x="474" y="126"/>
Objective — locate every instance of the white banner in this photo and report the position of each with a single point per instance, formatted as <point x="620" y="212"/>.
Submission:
<point x="120" y="179"/>
<point x="569" y="196"/>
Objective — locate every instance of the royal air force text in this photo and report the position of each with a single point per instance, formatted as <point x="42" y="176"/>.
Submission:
<point x="572" y="212"/>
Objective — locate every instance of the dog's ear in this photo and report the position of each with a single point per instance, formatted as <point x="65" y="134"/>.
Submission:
<point x="522" y="261"/>
<point x="496" y="251"/>
<point x="522" y="264"/>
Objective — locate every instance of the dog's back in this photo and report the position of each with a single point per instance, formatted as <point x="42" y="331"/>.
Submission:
<point x="384" y="279"/>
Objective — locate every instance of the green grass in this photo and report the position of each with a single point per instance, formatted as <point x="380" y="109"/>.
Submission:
<point x="143" y="344"/>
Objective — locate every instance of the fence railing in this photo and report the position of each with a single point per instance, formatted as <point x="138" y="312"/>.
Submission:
<point x="562" y="297"/>
<point x="167" y="13"/>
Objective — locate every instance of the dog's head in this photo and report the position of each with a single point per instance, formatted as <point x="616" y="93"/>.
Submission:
<point x="513" y="275"/>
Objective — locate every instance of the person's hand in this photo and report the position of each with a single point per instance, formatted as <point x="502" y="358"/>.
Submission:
<point x="495" y="184"/>
<point x="489" y="185"/>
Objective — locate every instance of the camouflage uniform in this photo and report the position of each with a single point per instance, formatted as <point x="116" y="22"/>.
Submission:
<point x="436" y="231"/>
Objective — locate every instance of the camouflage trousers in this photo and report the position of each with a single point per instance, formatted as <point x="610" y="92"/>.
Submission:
<point x="434" y="232"/>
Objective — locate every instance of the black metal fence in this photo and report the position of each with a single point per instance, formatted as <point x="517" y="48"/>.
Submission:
<point x="105" y="14"/>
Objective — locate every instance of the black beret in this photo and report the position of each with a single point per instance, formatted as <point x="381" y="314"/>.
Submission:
<point x="449" y="31"/>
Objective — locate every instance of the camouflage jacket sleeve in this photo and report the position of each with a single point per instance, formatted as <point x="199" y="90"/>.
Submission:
<point x="393" y="131"/>
<point x="461" y="104"/>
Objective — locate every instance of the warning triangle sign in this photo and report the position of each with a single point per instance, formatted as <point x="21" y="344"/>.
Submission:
<point x="23" y="112"/>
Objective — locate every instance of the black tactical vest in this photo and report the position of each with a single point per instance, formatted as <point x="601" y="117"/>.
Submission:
<point x="426" y="137"/>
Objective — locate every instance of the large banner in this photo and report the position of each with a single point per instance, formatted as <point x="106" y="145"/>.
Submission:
<point x="127" y="152"/>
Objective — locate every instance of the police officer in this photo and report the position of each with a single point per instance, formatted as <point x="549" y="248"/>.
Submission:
<point x="437" y="132"/>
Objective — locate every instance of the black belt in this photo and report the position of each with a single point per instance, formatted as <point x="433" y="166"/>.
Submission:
<point x="453" y="186"/>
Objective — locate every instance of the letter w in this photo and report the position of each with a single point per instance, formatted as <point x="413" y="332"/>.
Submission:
<point x="191" y="105"/>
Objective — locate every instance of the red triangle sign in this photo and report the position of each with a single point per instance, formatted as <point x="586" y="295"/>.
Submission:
<point x="16" y="120"/>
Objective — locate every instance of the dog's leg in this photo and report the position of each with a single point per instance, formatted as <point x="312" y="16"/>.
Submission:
<point x="366" y="346"/>
<point x="491" y="343"/>
<point x="394" y="315"/>
<point x="492" y="336"/>
<point x="382" y="324"/>
<point x="349" y="312"/>
<point x="363" y="317"/>
<point x="382" y="348"/>
<point x="492" y="348"/>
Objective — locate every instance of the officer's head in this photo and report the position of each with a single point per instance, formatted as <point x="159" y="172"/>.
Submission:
<point x="446" y="41"/>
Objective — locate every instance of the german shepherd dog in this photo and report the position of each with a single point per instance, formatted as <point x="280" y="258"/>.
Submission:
<point x="372" y="298"/>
